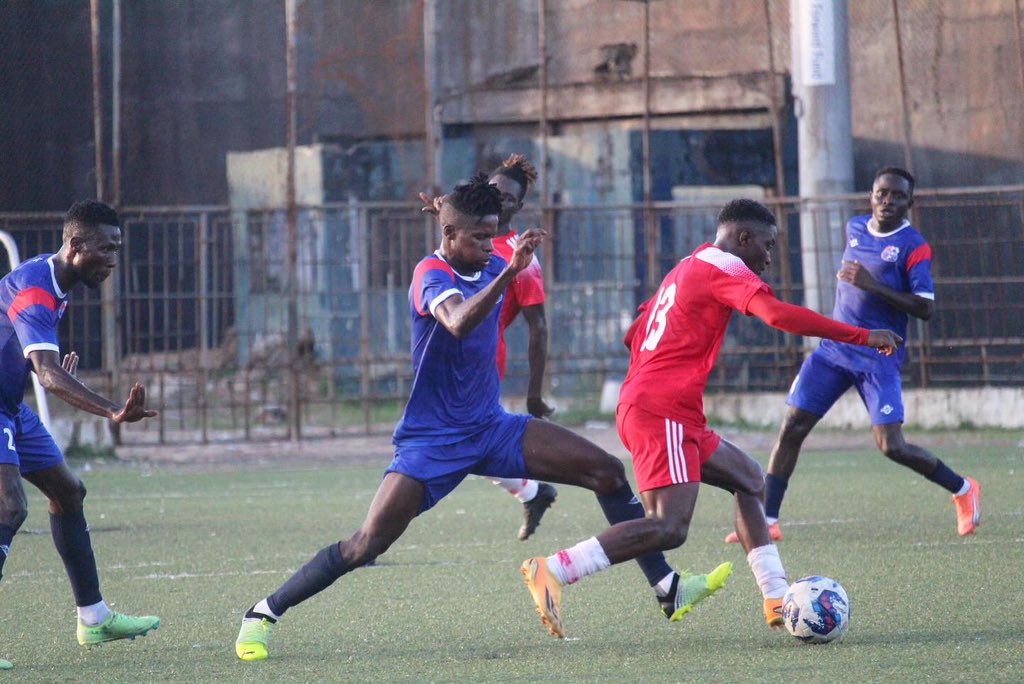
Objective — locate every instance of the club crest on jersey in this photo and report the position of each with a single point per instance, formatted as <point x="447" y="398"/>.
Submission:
<point x="891" y="253"/>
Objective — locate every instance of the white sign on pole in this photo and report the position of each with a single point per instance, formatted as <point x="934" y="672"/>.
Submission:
<point x="817" y="42"/>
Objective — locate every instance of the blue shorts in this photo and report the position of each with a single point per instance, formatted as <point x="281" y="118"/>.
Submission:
<point x="26" y="443"/>
<point x="495" y="451"/>
<point x="819" y="384"/>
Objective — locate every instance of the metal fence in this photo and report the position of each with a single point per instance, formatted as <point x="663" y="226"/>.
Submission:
<point x="204" y="296"/>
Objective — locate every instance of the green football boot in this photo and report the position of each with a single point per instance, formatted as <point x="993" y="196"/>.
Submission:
<point x="116" y="626"/>
<point x="689" y="590"/>
<point x="6" y="664"/>
<point x="251" y="643"/>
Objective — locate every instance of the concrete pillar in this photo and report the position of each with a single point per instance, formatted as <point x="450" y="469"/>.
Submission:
<point x="821" y="90"/>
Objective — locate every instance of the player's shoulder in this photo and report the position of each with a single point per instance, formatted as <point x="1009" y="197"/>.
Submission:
<point x="432" y="262"/>
<point x="721" y="261"/>
<point x="858" y="223"/>
<point x="34" y="272"/>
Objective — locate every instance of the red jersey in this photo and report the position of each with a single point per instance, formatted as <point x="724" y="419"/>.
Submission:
<point x="527" y="289"/>
<point x="676" y="339"/>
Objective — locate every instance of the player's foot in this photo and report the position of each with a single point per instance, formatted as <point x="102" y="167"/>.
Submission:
<point x="116" y="626"/>
<point x="534" y="509"/>
<point x="6" y="664"/>
<point x="773" y="531"/>
<point x="689" y="590"/>
<point x="968" y="509"/>
<point x="253" y="637"/>
<point x="546" y="592"/>
<point x="773" y="612"/>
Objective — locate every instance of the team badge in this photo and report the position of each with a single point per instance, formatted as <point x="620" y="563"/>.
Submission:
<point x="891" y="253"/>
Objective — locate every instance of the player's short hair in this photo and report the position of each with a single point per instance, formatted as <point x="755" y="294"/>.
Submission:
<point x="745" y="210"/>
<point x="85" y="215"/>
<point x="518" y="169"/>
<point x="476" y="198"/>
<point x="895" y="171"/>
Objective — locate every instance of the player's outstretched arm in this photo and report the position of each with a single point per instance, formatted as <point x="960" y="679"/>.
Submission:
<point x="460" y="316"/>
<point x="55" y="377"/>
<point x="800" y="321"/>
<point x="855" y="274"/>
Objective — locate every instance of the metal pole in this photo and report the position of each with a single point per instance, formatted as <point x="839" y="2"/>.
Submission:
<point x="908" y="162"/>
<point x="97" y="97"/>
<point x="115" y="109"/>
<point x="650" y="225"/>
<point x="202" y="256"/>
<point x="295" y="419"/>
<point x="1020" y="42"/>
<point x="778" y="126"/>
<point x="432" y="105"/>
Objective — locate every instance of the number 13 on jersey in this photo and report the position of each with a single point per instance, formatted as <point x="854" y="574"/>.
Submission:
<point x="657" y="322"/>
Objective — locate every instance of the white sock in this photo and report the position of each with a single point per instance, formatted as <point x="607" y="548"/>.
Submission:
<point x="586" y="558"/>
<point x="966" y="488"/>
<point x="771" y="521"/>
<point x="662" y="587"/>
<point x="94" y="614"/>
<point x="263" y="608"/>
<point x="524" y="490"/>
<point x="764" y="561"/>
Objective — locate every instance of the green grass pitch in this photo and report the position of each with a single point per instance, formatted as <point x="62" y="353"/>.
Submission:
<point x="447" y="604"/>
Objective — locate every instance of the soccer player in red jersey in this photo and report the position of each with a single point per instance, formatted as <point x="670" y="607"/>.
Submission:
<point x="673" y="346"/>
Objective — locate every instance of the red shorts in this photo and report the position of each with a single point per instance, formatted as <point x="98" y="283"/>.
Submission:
<point x="665" y="452"/>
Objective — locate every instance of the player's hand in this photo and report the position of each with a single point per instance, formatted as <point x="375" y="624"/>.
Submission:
<point x="70" y="364"/>
<point x="134" y="408"/>
<point x="536" y="407"/>
<point x="431" y="205"/>
<point x="885" y="341"/>
<point x="525" y="246"/>
<point x="855" y="274"/>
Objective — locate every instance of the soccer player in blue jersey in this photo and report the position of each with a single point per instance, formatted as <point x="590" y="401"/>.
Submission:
<point x="33" y="297"/>
<point x="454" y="424"/>
<point x="884" y="277"/>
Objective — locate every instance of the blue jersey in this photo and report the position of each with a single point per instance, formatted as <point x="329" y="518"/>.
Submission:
<point x="32" y="305"/>
<point x="901" y="260"/>
<point x="455" y="389"/>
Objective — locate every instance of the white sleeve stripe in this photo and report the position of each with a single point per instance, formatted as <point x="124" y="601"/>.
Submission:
<point x="41" y="346"/>
<point x="441" y="297"/>
<point x="926" y="295"/>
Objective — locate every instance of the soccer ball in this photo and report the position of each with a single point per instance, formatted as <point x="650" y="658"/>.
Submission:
<point x="816" y="610"/>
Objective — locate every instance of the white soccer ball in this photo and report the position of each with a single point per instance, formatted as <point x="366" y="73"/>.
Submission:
<point x="816" y="610"/>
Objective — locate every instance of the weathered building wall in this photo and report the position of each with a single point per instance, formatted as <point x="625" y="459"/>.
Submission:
<point x="204" y="78"/>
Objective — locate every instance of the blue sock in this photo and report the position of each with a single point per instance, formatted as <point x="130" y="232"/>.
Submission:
<point x="774" y="491"/>
<point x="312" y="578"/>
<point x="944" y="477"/>
<point x="6" y="537"/>
<point x="71" y="537"/>
<point x="621" y="506"/>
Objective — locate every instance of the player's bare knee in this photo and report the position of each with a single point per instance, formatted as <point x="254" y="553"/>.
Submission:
<point x="671" y="536"/>
<point x="71" y="499"/>
<point x="13" y="511"/>
<point x="608" y="477"/>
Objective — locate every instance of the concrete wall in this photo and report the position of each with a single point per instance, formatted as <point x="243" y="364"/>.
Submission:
<point x="984" y="407"/>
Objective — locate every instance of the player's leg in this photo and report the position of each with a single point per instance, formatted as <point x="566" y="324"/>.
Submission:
<point x="732" y="469"/>
<point x="815" y="389"/>
<point x="398" y="500"/>
<point x="43" y="465"/>
<point x="882" y="394"/>
<point x="13" y="508"/>
<point x="552" y="452"/>
<point x="669" y="507"/>
<point x="536" y="497"/>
